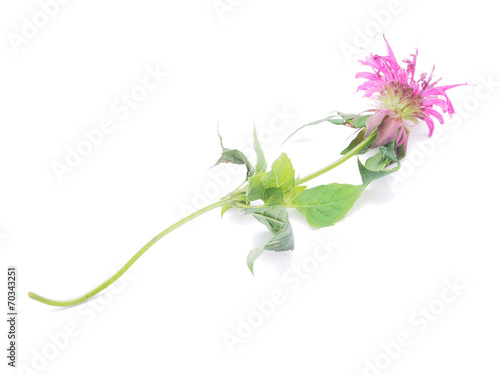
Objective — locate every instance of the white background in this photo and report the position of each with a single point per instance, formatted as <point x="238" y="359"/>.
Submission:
<point x="396" y="251"/>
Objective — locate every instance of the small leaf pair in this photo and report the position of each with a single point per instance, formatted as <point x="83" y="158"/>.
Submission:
<point x="237" y="157"/>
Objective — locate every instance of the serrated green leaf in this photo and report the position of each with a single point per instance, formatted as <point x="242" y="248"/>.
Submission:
<point x="281" y="175"/>
<point x="255" y="188"/>
<point x="324" y="205"/>
<point x="273" y="196"/>
<point x="261" y="165"/>
<point x="275" y="218"/>
<point x="375" y="172"/>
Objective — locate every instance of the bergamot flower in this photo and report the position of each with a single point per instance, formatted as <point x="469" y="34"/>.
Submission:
<point x="401" y="98"/>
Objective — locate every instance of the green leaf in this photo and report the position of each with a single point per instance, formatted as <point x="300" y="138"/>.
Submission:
<point x="389" y="151"/>
<point x="273" y="196"/>
<point x="261" y="165"/>
<point x="292" y="194"/>
<point x="360" y="121"/>
<point x="282" y="175"/>
<point x="341" y="118"/>
<point x="360" y="137"/>
<point x="356" y="141"/>
<point x="225" y="207"/>
<point x="235" y="157"/>
<point x="373" y="170"/>
<point x="255" y="188"/>
<point x="377" y="162"/>
<point x="275" y="218"/>
<point x="336" y="118"/>
<point x="376" y="166"/>
<point x="401" y="151"/>
<point x="324" y="205"/>
<point x="350" y="119"/>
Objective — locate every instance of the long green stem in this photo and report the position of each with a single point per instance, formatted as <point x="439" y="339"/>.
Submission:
<point x="155" y="239"/>
<point x="344" y="158"/>
<point x="117" y="275"/>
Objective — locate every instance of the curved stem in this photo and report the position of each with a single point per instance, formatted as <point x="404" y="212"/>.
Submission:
<point x="344" y="158"/>
<point x="117" y="275"/>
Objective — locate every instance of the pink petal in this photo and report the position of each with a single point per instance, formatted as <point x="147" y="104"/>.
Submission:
<point x="436" y="114"/>
<point x="440" y="90"/>
<point x="393" y="62"/>
<point x="430" y="125"/>
<point x="367" y="75"/>
<point x="441" y="103"/>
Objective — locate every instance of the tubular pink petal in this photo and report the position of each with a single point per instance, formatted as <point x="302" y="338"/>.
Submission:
<point x="436" y="114"/>
<point x="392" y="58"/>
<point x="367" y="75"/>
<point x="445" y="107"/>
<point x="430" y="125"/>
<point x="440" y="90"/>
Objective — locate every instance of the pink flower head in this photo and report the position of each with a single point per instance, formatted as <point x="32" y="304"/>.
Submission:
<point x="402" y="98"/>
